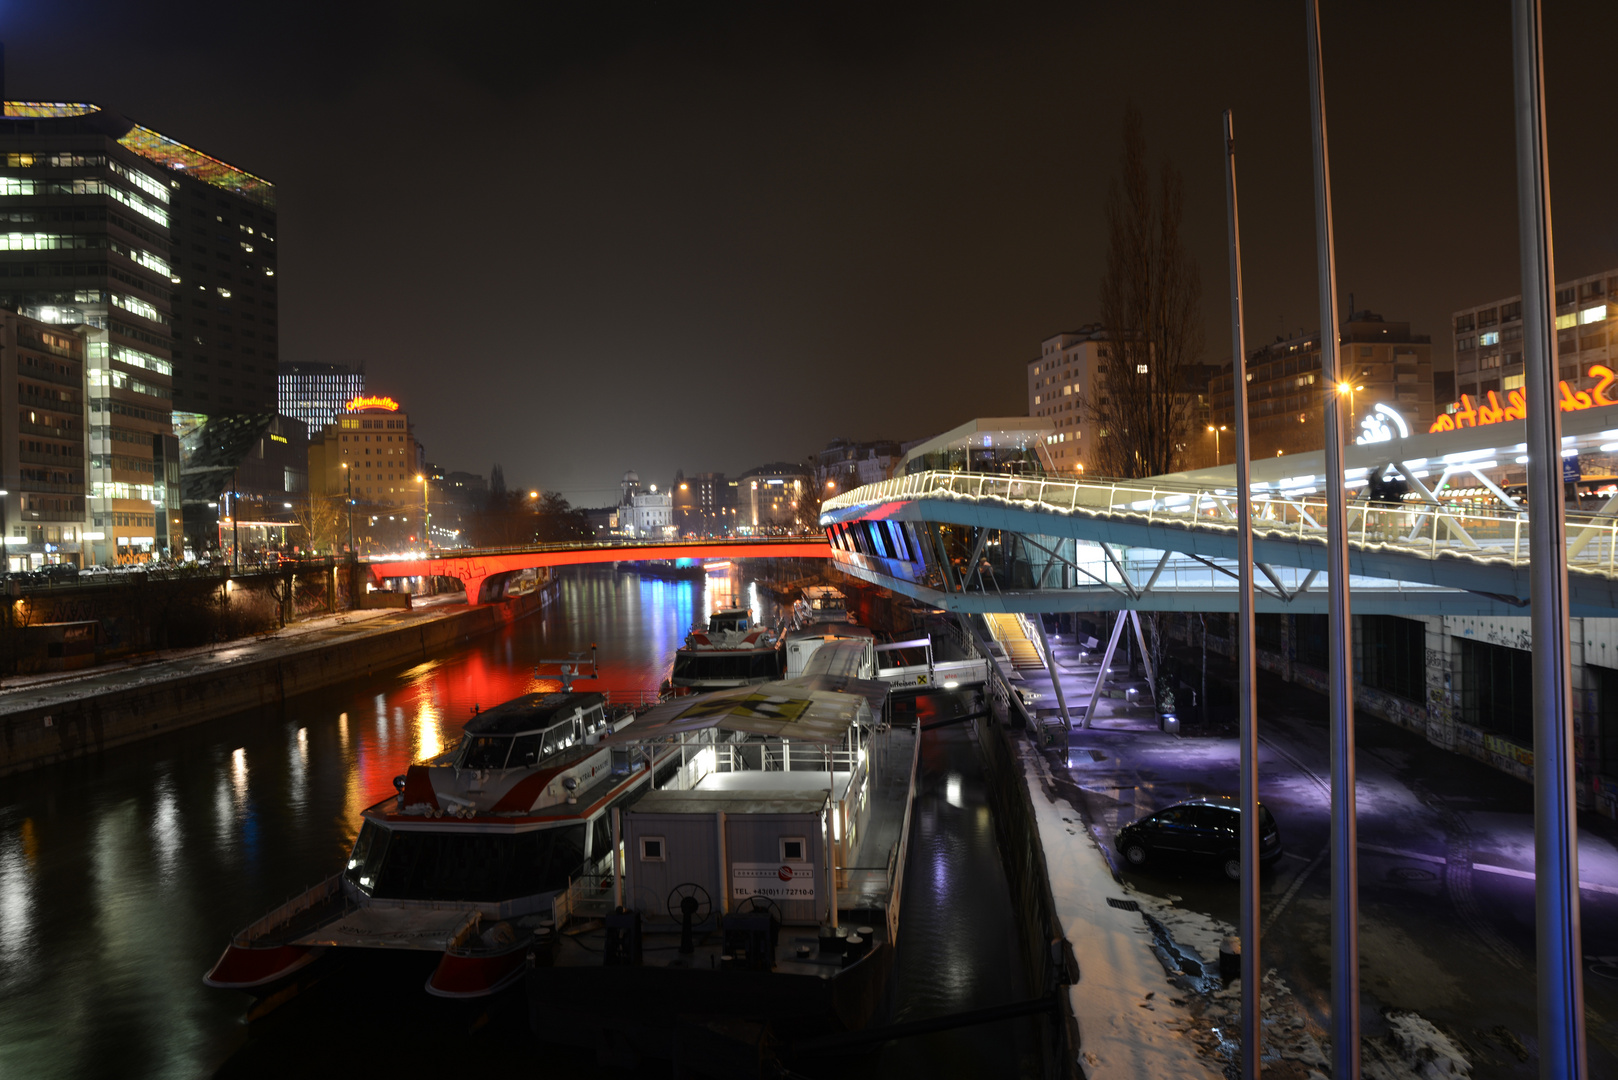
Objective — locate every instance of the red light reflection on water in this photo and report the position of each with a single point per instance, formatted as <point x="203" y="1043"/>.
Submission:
<point x="637" y="622"/>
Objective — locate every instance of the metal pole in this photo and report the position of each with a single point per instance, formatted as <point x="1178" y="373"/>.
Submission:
<point x="1246" y="670"/>
<point x="1556" y="853"/>
<point x="235" y="533"/>
<point x="348" y="474"/>
<point x="1345" y="905"/>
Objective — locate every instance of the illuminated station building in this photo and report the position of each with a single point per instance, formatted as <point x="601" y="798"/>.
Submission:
<point x="109" y="225"/>
<point x="371" y="445"/>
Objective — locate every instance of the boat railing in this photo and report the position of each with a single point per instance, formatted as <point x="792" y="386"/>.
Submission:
<point x="633" y="698"/>
<point x="896" y="860"/>
<point x="311" y="897"/>
<point x="586" y="896"/>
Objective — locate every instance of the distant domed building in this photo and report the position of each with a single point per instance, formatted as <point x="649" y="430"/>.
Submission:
<point x="631" y="487"/>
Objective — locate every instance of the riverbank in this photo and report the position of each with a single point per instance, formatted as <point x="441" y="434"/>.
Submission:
<point x="52" y="718"/>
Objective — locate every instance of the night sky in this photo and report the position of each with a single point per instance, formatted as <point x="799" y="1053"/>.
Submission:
<point x="576" y="238"/>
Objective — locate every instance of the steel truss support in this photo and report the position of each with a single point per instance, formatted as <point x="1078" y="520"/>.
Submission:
<point x="1432" y="500"/>
<point x="1050" y="665"/>
<point x="1106" y="662"/>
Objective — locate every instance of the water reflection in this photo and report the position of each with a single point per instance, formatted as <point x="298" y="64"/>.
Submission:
<point x="121" y="877"/>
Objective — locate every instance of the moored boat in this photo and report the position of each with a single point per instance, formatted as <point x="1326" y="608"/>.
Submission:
<point x="732" y="650"/>
<point x="468" y="859"/>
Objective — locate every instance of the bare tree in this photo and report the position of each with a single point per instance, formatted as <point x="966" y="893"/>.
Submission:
<point x="1140" y="402"/>
<point x="323" y="522"/>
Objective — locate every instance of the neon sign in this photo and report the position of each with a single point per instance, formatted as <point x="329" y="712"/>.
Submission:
<point x="1491" y="411"/>
<point x="364" y="402"/>
<point x="1375" y="429"/>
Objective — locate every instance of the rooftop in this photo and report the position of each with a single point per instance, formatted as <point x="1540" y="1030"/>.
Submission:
<point x="160" y="149"/>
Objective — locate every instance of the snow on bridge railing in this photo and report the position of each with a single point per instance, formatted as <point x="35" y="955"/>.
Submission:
<point x="1278" y="511"/>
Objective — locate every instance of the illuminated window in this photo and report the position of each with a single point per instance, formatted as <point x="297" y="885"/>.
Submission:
<point x="1490" y="338"/>
<point x="1140" y="369"/>
<point x="1592" y="314"/>
<point x="1511" y="382"/>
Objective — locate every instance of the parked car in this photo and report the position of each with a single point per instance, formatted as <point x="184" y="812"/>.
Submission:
<point x="1203" y="830"/>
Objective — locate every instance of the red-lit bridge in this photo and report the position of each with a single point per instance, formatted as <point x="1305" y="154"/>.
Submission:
<point x="475" y="567"/>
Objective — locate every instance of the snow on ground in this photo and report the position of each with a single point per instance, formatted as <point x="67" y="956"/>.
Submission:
<point x="1132" y="1020"/>
<point x="1149" y="1000"/>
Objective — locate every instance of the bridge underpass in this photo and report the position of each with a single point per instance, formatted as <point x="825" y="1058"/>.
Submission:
<point x="483" y="571"/>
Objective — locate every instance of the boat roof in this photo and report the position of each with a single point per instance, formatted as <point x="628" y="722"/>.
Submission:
<point x="706" y="801"/>
<point x="831" y="628"/>
<point x="531" y="712"/>
<point x="791" y="708"/>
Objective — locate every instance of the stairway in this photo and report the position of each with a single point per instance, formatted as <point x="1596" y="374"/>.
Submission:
<point x="1008" y="631"/>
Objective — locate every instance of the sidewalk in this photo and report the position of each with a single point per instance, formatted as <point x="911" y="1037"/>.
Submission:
<point x="1133" y="1022"/>
<point x="46" y="688"/>
<point x="1150" y="1000"/>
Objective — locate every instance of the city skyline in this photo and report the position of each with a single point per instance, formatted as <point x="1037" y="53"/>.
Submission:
<point x="685" y="196"/>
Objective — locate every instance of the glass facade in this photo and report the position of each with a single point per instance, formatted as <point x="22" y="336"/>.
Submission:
<point x="317" y="393"/>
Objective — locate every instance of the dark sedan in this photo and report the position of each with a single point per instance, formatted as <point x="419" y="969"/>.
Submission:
<point x="1202" y="830"/>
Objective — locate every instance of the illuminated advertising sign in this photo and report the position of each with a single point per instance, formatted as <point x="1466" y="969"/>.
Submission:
<point x="363" y="402"/>
<point x="1379" y="425"/>
<point x="1470" y="414"/>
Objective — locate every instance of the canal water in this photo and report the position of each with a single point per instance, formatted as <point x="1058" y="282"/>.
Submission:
<point x="122" y="876"/>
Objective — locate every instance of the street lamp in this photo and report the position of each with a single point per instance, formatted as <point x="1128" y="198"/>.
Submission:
<point x="348" y="475"/>
<point x="426" y="514"/>
<point x="1216" y="431"/>
<point x="1349" y="389"/>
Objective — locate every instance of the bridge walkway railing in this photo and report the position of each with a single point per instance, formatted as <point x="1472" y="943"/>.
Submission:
<point x="1426" y="529"/>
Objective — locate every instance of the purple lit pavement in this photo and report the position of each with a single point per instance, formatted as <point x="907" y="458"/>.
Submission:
<point x="1446" y="865"/>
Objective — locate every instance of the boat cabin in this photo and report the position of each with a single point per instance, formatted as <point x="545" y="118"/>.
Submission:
<point x="773" y="806"/>
<point x="730" y="621"/>
<point x="524" y="730"/>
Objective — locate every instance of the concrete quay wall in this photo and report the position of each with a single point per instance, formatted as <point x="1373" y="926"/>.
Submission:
<point x="72" y="726"/>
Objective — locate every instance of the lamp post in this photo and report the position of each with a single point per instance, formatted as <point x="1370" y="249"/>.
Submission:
<point x="1216" y="431"/>
<point x="5" y="535"/>
<point x="235" y="533"/>
<point x="1350" y="390"/>
<point x="348" y="476"/>
<point x="426" y="513"/>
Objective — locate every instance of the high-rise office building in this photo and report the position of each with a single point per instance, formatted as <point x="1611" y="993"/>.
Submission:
<point x="222" y="227"/>
<point x="88" y="213"/>
<point x="316" y="393"/>
<point x="42" y="455"/>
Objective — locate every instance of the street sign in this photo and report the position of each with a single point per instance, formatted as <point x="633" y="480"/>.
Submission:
<point x="1570" y="469"/>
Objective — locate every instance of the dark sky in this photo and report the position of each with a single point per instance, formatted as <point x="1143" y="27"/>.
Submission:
<point x="576" y="238"/>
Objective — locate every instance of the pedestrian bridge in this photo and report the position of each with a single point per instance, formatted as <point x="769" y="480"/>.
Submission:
<point x="973" y="542"/>
<point x="483" y="571"/>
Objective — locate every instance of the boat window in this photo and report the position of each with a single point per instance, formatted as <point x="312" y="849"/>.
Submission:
<point x="524" y="751"/>
<point x="651" y="849"/>
<point x="366" y="858"/>
<point x="485" y="752"/>
<point x="480" y="866"/>
<point x="595" y="718"/>
<point x="793" y="848"/>
<point x="556" y="737"/>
